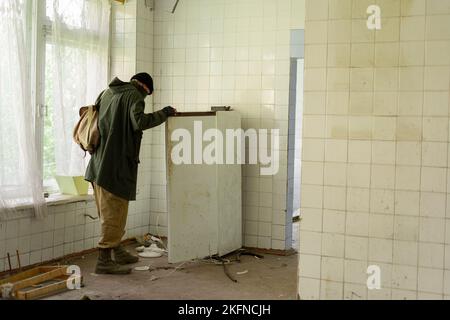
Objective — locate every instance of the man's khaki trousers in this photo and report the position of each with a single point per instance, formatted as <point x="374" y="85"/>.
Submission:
<point x="113" y="212"/>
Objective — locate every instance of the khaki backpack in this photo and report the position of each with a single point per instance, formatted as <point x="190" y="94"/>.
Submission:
<point x="86" y="133"/>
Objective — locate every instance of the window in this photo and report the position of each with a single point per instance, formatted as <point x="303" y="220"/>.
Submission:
<point x="20" y="181"/>
<point x="54" y="61"/>
<point x="74" y="53"/>
<point x="71" y="12"/>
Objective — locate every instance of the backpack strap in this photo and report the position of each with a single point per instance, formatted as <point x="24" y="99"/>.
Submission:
<point x="99" y="100"/>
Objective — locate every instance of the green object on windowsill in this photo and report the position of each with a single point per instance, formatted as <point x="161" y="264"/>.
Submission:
<point x="75" y="186"/>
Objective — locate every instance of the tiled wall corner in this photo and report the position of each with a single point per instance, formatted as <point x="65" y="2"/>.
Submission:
<point x="123" y="39"/>
<point x="229" y="53"/>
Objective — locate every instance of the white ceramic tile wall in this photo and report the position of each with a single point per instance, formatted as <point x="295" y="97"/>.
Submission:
<point x="132" y="52"/>
<point x="210" y="52"/>
<point x="229" y="52"/>
<point x="375" y="150"/>
<point x="67" y="230"/>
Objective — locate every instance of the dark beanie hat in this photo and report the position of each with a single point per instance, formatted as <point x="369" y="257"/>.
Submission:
<point x="146" y="79"/>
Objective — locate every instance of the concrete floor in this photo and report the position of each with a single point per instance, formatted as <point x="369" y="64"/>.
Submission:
<point x="274" y="277"/>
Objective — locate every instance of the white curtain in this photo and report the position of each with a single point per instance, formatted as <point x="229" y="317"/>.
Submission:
<point x="79" y="51"/>
<point x="20" y="173"/>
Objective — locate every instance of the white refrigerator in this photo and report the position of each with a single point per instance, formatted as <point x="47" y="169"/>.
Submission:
<point x="204" y="190"/>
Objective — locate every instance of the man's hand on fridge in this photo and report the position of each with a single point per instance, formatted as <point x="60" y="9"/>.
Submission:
<point x="169" y="111"/>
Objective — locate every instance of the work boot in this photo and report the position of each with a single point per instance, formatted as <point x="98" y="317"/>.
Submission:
<point x="122" y="256"/>
<point x="105" y="265"/>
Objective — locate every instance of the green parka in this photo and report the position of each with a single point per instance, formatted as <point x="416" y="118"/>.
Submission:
<point x="114" y="165"/>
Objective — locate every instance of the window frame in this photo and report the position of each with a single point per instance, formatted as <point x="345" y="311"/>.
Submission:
<point x="38" y="76"/>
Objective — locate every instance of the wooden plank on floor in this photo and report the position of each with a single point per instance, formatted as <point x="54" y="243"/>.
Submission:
<point x="33" y="277"/>
<point x="60" y="284"/>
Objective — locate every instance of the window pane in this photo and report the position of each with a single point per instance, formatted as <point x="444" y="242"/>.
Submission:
<point x="64" y="92"/>
<point x="69" y="11"/>
<point x="9" y="152"/>
<point x="19" y="172"/>
<point x="76" y="71"/>
<point x="11" y="160"/>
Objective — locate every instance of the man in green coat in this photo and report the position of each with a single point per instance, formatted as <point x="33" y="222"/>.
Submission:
<point x="113" y="167"/>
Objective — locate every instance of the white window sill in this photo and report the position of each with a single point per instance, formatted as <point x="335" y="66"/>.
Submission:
<point x="61" y="199"/>
<point x="23" y="211"/>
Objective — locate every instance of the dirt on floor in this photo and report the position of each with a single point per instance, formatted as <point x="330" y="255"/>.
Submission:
<point x="270" y="278"/>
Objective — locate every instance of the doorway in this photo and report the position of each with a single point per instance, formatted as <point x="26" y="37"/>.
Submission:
<point x="295" y="137"/>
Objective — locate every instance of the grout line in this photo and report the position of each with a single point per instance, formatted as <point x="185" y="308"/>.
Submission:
<point x="324" y="153"/>
<point x="348" y="147"/>
<point x="395" y="162"/>
<point x="371" y="164"/>
<point x="421" y="158"/>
